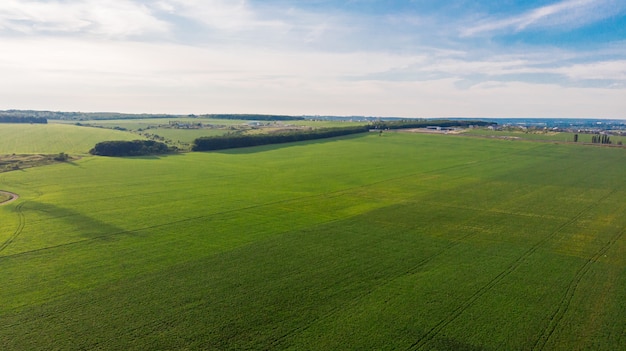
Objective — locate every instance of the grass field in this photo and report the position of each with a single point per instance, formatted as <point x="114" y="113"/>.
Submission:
<point x="405" y="241"/>
<point x="54" y="138"/>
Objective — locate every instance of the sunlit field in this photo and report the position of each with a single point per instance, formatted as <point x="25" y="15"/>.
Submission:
<point x="400" y="241"/>
<point x="54" y="138"/>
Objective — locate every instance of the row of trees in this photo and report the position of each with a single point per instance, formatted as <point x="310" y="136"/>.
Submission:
<point x="236" y="141"/>
<point x="130" y="148"/>
<point x="229" y="141"/>
<point x="80" y="116"/>
<point x="427" y="123"/>
<point x="22" y="119"/>
<point x="600" y="139"/>
<point x="86" y="116"/>
<point x="254" y="117"/>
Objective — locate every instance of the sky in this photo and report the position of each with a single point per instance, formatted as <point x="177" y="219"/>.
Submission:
<point x="405" y="58"/>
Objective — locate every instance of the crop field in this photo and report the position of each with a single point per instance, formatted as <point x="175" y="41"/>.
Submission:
<point x="547" y="136"/>
<point x="367" y="242"/>
<point x="54" y="138"/>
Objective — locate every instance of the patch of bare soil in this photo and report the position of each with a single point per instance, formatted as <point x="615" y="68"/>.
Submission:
<point x="16" y="162"/>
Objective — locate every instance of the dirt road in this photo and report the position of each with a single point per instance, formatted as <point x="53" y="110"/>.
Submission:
<point x="12" y="197"/>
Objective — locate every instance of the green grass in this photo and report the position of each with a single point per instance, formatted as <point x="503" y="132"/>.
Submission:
<point x="405" y="241"/>
<point x="54" y="138"/>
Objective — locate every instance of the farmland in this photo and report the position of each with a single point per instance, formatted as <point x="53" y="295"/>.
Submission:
<point x="540" y="135"/>
<point x="54" y="138"/>
<point x="183" y="130"/>
<point x="400" y="241"/>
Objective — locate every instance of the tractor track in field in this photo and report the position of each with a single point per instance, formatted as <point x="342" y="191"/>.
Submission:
<point x="330" y="194"/>
<point x="12" y="197"/>
<point x="411" y="270"/>
<point x="435" y="330"/>
<point x="564" y="304"/>
<point x="414" y="268"/>
<point x="18" y="230"/>
<point x="187" y="219"/>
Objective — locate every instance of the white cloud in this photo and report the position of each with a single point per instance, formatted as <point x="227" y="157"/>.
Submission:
<point x="166" y="78"/>
<point x="253" y="57"/>
<point x="220" y="14"/>
<point x="568" y="13"/>
<point x="114" y="18"/>
<point x="603" y="70"/>
<point x="556" y="66"/>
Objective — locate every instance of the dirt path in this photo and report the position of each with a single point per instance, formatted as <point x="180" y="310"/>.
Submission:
<point x="12" y="197"/>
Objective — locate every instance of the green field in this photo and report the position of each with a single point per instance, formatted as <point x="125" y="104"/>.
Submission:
<point x="405" y="241"/>
<point x="159" y="126"/>
<point x="539" y="136"/>
<point x="54" y="138"/>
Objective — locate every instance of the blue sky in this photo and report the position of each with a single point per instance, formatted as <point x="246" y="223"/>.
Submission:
<point x="426" y="58"/>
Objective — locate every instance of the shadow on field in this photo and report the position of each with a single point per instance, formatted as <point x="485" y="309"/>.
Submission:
<point x="271" y="147"/>
<point x="76" y="222"/>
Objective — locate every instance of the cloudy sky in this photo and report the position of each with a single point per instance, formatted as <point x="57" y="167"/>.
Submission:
<point x="419" y="58"/>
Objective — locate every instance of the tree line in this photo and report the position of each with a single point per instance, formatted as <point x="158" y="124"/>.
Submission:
<point x="600" y="139"/>
<point x="445" y="123"/>
<point x="229" y="141"/>
<point x="22" y="119"/>
<point x="253" y="117"/>
<point x="238" y="140"/>
<point x="130" y="148"/>
<point x="86" y="116"/>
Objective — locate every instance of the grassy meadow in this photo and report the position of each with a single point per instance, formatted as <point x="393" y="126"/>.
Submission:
<point x="401" y="241"/>
<point x="54" y="138"/>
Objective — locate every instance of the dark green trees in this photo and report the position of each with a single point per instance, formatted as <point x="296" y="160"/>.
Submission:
<point x="62" y="157"/>
<point x="129" y="148"/>
<point x="19" y="119"/>
<point x="235" y="141"/>
<point x="600" y="139"/>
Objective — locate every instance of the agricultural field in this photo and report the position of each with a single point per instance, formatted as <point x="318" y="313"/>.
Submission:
<point x="54" y="138"/>
<point x="186" y="135"/>
<point x="211" y="127"/>
<point x="539" y="135"/>
<point x="400" y="241"/>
